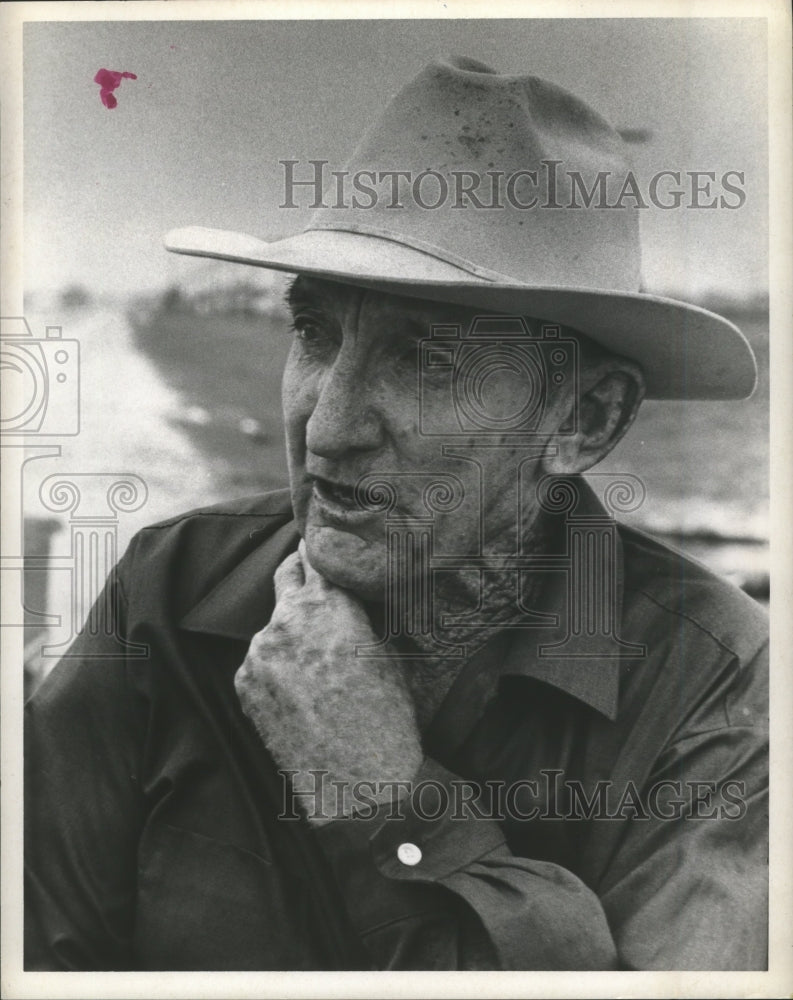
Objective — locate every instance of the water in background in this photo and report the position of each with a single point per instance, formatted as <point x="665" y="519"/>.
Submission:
<point x="184" y="393"/>
<point x="704" y="465"/>
<point x="129" y="431"/>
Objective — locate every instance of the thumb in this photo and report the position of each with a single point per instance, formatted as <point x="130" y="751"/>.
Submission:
<point x="310" y="574"/>
<point x="289" y="577"/>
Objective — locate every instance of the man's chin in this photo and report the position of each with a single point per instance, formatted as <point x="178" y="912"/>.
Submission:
<point x="347" y="560"/>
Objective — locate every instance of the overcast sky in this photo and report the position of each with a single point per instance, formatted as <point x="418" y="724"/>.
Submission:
<point x="196" y="139"/>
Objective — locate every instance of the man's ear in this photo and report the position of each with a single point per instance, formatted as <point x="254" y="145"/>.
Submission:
<point x="611" y="392"/>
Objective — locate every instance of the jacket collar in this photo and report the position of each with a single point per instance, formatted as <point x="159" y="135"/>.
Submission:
<point x="242" y="602"/>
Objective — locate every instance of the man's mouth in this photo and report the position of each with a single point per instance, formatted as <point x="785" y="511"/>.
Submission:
<point x="335" y="493"/>
<point x="336" y="503"/>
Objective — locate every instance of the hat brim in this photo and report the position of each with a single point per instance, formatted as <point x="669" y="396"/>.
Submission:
<point x="686" y="352"/>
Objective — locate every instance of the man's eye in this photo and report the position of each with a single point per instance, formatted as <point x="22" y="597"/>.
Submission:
<point x="310" y="333"/>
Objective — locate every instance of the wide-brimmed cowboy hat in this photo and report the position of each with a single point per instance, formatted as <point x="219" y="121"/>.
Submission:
<point x="511" y="195"/>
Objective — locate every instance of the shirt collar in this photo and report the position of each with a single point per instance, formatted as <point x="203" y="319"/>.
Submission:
<point x="242" y="602"/>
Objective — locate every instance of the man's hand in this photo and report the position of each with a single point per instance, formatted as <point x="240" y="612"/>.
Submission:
<point x="318" y="706"/>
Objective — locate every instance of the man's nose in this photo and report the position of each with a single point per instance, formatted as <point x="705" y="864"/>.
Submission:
<point x="345" y="416"/>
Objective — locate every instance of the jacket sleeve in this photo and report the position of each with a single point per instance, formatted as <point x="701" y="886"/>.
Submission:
<point x="684" y="885"/>
<point x="82" y="810"/>
<point x="687" y="885"/>
<point x="468" y="903"/>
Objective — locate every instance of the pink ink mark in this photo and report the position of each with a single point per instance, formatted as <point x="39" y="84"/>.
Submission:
<point x="109" y="80"/>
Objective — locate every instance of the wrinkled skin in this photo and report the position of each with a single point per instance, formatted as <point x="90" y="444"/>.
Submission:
<point x="314" y="703"/>
<point x="350" y="398"/>
<point x="351" y="408"/>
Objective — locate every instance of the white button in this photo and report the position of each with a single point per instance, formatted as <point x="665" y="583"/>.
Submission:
<point x="409" y="854"/>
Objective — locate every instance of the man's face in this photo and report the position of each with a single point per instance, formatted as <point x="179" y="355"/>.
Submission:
<point x="351" y="409"/>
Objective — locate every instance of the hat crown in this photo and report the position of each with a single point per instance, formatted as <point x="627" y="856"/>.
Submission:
<point x="533" y="251"/>
<point x="486" y="165"/>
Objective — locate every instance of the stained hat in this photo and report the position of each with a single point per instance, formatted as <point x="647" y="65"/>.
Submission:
<point x="507" y="194"/>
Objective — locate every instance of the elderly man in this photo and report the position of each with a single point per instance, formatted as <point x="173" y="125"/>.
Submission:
<point x="430" y="708"/>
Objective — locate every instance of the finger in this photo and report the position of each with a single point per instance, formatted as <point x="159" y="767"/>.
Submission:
<point x="311" y="576"/>
<point x="289" y="577"/>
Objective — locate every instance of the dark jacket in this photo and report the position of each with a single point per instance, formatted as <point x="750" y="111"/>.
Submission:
<point x="635" y="838"/>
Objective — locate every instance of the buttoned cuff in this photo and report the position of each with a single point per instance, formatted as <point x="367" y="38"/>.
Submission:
<point x="446" y="834"/>
<point x="387" y="865"/>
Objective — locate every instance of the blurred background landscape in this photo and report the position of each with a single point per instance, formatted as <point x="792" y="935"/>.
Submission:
<point x="183" y="389"/>
<point x="181" y="359"/>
